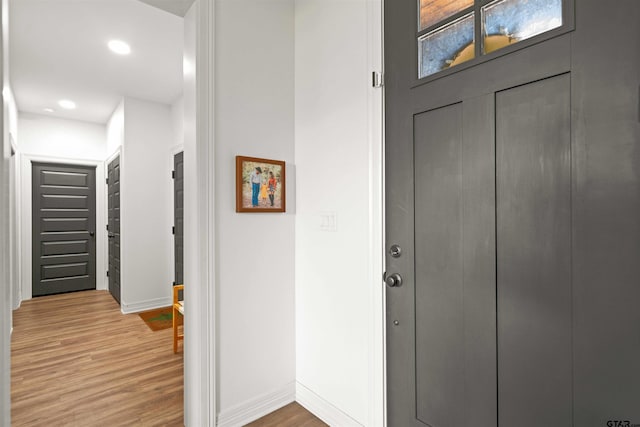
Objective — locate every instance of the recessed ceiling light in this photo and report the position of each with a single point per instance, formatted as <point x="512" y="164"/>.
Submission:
<point x="48" y="110"/>
<point x="119" y="47"/>
<point x="67" y="104"/>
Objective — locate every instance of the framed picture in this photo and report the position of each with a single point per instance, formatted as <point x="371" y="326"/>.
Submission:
<point x="260" y="185"/>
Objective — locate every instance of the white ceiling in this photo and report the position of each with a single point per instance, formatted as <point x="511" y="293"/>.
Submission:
<point x="177" y="7"/>
<point x="58" y="50"/>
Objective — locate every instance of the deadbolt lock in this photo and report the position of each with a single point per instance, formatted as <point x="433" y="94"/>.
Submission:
<point x="395" y="251"/>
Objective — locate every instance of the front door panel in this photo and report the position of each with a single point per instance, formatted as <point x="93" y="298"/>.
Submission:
<point x="468" y="331"/>
<point x="534" y="253"/>
<point x="455" y="279"/>
<point x="439" y="288"/>
<point x="488" y="314"/>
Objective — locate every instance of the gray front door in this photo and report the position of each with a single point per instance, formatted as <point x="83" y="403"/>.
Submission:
<point x="178" y="217"/>
<point x="113" y="226"/>
<point x="493" y="173"/>
<point x="64" y="225"/>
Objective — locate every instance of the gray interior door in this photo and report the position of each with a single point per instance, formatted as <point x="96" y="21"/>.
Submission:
<point x="178" y="217"/>
<point x="64" y="224"/>
<point x="113" y="226"/>
<point x="496" y="176"/>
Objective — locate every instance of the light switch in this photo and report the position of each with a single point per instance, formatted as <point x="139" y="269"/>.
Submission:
<point x="328" y="221"/>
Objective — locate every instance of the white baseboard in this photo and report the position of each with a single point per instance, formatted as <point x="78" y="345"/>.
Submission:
<point x="258" y="407"/>
<point x="323" y="409"/>
<point x="17" y="305"/>
<point x="137" y="307"/>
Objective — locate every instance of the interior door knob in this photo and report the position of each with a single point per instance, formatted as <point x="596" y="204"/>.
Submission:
<point x="111" y="236"/>
<point x="393" y="281"/>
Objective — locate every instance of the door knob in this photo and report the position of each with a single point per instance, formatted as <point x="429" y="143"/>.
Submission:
<point x="393" y="281"/>
<point x="111" y="236"/>
<point x="91" y="233"/>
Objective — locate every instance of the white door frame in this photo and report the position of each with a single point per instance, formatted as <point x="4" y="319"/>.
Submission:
<point x="15" y="272"/>
<point x="26" y="215"/>
<point x="200" y="286"/>
<point x="5" y="290"/>
<point x="377" y="414"/>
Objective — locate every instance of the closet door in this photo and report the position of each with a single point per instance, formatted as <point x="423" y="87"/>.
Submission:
<point x="64" y="225"/>
<point x="113" y="226"/>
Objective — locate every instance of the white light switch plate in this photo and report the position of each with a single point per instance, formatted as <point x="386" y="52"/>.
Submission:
<point x="328" y="221"/>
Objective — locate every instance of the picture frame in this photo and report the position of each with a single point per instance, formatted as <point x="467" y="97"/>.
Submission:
<point x="260" y="185"/>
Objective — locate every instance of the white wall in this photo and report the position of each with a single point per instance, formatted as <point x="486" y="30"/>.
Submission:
<point x="177" y="146"/>
<point x="254" y="99"/>
<point x="115" y="130"/>
<point x="11" y="120"/>
<point x="146" y="206"/>
<point x="49" y="139"/>
<point x="177" y="120"/>
<point x="50" y="136"/>
<point x="339" y="327"/>
<point x="10" y="116"/>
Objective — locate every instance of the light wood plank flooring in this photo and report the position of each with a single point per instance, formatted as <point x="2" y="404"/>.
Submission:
<point x="77" y="361"/>
<point x="292" y="415"/>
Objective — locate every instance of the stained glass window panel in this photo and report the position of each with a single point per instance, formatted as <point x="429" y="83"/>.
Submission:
<point x="446" y="46"/>
<point x="434" y="11"/>
<point x="510" y="21"/>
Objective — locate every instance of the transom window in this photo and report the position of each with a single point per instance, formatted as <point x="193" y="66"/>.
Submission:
<point x="448" y="29"/>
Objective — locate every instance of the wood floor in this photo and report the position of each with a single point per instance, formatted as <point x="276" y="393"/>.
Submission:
<point x="292" y="415"/>
<point x="77" y="361"/>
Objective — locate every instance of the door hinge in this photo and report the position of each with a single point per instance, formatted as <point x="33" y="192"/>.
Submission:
<point x="377" y="79"/>
<point x="107" y="227"/>
<point x="173" y="230"/>
<point x="173" y="174"/>
<point x="107" y="181"/>
<point x="174" y="283"/>
<point x="107" y="273"/>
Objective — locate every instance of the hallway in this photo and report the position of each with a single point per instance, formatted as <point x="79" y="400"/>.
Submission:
<point x="77" y="361"/>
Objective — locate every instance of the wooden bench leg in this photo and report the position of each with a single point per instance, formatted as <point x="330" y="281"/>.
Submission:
<point x="175" y="330"/>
